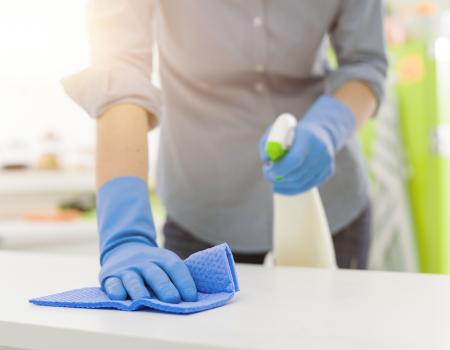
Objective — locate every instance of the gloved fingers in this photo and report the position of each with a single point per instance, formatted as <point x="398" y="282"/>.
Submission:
<point x="286" y="191"/>
<point x="180" y="276"/>
<point x="134" y="285"/>
<point x="114" y="288"/>
<point x="310" y="169"/>
<point x="289" y="188"/>
<point x="300" y="183"/>
<point x="262" y="145"/>
<point x="306" y="184"/>
<point x="160" y="283"/>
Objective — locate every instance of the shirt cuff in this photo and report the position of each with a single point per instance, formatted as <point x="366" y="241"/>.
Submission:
<point x="97" y="89"/>
<point x="368" y="74"/>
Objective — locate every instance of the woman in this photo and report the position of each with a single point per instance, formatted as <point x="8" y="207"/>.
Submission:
<point x="228" y="69"/>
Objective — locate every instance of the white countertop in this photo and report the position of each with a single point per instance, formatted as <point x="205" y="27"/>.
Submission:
<point x="278" y="308"/>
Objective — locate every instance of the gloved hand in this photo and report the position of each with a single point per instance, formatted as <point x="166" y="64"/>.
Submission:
<point x="131" y="263"/>
<point x="325" y="128"/>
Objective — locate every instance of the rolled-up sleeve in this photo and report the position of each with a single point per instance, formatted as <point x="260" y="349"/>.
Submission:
<point x="121" y="39"/>
<point x="358" y="40"/>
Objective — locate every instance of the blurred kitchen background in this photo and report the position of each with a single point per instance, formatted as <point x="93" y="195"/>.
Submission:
<point x="47" y="146"/>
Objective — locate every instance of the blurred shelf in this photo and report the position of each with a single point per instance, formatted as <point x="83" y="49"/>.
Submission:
<point x="32" y="228"/>
<point x="34" y="181"/>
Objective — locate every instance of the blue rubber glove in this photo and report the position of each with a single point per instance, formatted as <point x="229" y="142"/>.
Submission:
<point x="326" y="127"/>
<point x="131" y="263"/>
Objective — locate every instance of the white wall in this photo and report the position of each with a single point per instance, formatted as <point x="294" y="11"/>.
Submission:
<point x="40" y="42"/>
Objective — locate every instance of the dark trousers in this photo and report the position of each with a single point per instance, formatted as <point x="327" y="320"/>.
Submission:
<point x="351" y="244"/>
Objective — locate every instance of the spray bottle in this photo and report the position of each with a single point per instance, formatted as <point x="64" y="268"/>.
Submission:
<point x="301" y="236"/>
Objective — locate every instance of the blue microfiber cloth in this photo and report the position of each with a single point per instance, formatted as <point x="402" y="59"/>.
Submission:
<point x="212" y="269"/>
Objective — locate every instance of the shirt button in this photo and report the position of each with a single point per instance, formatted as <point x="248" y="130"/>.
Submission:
<point x="259" y="68"/>
<point x="257" y="21"/>
<point x="259" y="86"/>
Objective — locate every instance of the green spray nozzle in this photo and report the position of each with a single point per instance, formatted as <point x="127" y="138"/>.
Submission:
<point x="275" y="151"/>
<point x="281" y="136"/>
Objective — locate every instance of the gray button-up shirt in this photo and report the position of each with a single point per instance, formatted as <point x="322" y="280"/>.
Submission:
<point x="228" y="68"/>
